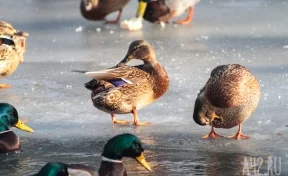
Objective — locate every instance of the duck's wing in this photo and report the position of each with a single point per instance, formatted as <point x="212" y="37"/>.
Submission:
<point x="131" y="75"/>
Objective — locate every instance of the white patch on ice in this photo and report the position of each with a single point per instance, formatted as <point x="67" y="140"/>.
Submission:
<point x="79" y="29"/>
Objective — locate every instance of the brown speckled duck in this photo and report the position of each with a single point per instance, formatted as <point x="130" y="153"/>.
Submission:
<point x="12" y="49"/>
<point x="127" y="89"/>
<point x="229" y="97"/>
<point x="99" y="9"/>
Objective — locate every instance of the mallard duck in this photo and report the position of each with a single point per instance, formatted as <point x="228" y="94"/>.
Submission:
<point x="160" y="11"/>
<point x="229" y="97"/>
<point x="99" y="9"/>
<point x="123" y="145"/>
<point x="12" y="49"/>
<point x="126" y="89"/>
<point x="9" y="142"/>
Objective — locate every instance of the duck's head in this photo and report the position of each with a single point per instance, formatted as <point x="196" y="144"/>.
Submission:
<point x="125" y="145"/>
<point x="61" y="169"/>
<point x="200" y="110"/>
<point x="142" y="50"/>
<point x="13" y="39"/>
<point x="9" y="118"/>
<point x="90" y="4"/>
<point x="54" y="169"/>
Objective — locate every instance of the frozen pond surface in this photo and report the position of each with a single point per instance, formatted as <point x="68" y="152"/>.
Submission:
<point x="69" y="129"/>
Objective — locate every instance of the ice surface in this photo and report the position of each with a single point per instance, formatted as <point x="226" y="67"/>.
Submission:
<point x="69" y="129"/>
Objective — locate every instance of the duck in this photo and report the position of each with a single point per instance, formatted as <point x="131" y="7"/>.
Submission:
<point x="160" y="11"/>
<point x="122" y="145"/>
<point x="99" y="9"/>
<point x="126" y="89"/>
<point x="229" y="97"/>
<point x="9" y="141"/>
<point x="12" y="49"/>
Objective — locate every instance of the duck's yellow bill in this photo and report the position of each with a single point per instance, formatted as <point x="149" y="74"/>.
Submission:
<point x="23" y="127"/>
<point x="143" y="162"/>
<point x="141" y="9"/>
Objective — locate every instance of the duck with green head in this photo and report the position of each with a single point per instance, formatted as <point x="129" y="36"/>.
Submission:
<point x="99" y="9"/>
<point x="123" y="145"/>
<point x="127" y="89"/>
<point x="9" y="142"/>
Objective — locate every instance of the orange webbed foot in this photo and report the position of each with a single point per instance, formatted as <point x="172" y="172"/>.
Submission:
<point x="5" y="86"/>
<point x="182" y="22"/>
<point x="121" y="122"/>
<point x="212" y="135"/>
<point x="239" y="136"/>
<point x="142" y="123"/>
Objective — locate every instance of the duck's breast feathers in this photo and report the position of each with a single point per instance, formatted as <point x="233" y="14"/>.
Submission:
<point x="9" y="142"/>
<point x="230" y="86"/>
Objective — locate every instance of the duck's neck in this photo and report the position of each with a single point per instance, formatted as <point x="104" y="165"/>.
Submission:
<point x="111" y="168"/>
<point x="111" y="160"/>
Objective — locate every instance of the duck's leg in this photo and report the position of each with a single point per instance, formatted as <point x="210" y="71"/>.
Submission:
<point x="117" y="19"/>
<point x="5" y="86"/>
<point x="212" y="134"/>
<point x="122" y="122"/>
<point x="188" y="19"/>
<point x="239" y="135"/>
<point x="136" y="120"/>
<point x="168" y="16"/>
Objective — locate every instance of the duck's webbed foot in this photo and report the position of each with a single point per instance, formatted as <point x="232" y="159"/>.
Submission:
<point x="136" y="120"/>
<point x="5" y="86"/>
<point x="239" y="135"/>
<point x="121" y="122"/>
<point x="212" y="134"/>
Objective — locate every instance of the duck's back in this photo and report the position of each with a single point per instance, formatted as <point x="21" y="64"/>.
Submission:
<point x="230" y="86"/>
<point x="9" y="142"/>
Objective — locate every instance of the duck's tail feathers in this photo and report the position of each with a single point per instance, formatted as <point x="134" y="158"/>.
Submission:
<point x="91" y="85"/>
<point x="79" y="71"/>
